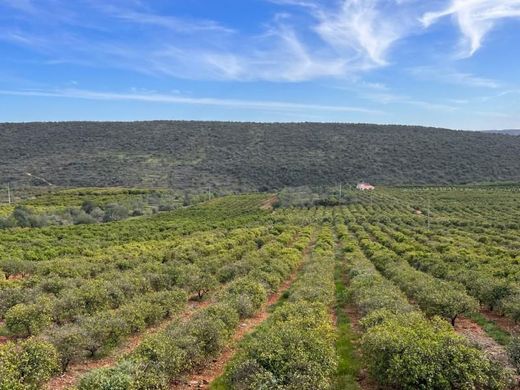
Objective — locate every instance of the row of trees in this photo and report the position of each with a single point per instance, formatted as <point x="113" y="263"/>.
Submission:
<point x="294" y="348"/>
<point x="88" y="213"/>
<point x="405" y="350"/>
<point x="434" y="296"/>
<point x="84" y="285"/>
<point x="100" y="313"/>
<point x="489" y="278"/>
<point x="58" y="241"/>
<point x="187" y="344"/>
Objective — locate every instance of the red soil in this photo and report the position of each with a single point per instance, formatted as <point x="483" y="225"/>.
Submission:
<point x="476" y="335"/>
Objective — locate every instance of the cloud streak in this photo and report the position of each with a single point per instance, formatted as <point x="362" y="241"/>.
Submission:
<point x="360" y="29"/>
<point x="309" y="40"/>
<point x="475" y="19"/>
<point x="176" y="99"/>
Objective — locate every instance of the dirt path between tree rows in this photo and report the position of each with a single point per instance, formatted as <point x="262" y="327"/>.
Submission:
<point x="77" y="370"/>
<point x="503" y="322"/>
<point x="203" y="378"/>
<point x="268" y="204"/>
<point x="478" y="336"/>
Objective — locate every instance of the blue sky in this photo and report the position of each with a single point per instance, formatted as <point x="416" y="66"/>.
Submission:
<point x="449" y="63"/>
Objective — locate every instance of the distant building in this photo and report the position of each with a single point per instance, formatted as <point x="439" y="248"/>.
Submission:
<point x="365" y="187"/>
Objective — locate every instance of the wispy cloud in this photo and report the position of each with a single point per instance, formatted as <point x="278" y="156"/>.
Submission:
<point x="450" y="76"/>
<point x="335" y="39"/>
<point x="139" y="15"/>
<point x="362" y="30"/>
<point x="303" y="40"/>
<point x="475" y="18"/>
<point x="151" y="97"/>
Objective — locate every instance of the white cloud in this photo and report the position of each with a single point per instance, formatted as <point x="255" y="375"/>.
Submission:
<point x="475" y="18"/>
<point x="304" y="40"/>
<point x="152" y="97"/>
<point x="361" y="29"/>
<point x="308" y="39"/>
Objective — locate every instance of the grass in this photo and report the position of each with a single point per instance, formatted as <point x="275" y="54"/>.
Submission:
<point x="492" y="329"/>
<point x="218" y="384"/>
<point x="348" y="361"/>
<point x="4" y="331"/>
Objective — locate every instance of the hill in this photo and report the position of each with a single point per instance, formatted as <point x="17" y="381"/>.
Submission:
<point x="507" y="132"/>
<point x="249" y="156"/>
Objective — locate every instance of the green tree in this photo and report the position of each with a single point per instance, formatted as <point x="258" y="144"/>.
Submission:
<point x="27" y="319"/>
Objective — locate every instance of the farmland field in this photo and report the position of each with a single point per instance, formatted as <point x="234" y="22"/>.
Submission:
<point x="401" y="287"/>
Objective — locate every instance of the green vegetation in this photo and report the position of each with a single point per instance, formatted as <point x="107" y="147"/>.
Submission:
<point x="514" y="353"/>
<point x="349" y="364"/>
<point x="86" y="206"/>
<point x="404" y="349"/>
<point x="184" y="345"/>
<point x="26" y="365"/>
<point x="412" y="262"/>
<point x="294" y="347"/>
<point x="492" y="329"/>
<point x="248" y="156"/>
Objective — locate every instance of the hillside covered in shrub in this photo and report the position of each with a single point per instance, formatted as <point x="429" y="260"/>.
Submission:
<point x="249" y="156"/>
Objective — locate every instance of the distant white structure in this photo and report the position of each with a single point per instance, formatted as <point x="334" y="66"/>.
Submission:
<point x="365" y="187"/>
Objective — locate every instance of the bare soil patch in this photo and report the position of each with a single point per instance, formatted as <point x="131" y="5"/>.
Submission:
<point x="503" y="322"/>
<point x="476" y="335"/>
<point x="268" y="204"/>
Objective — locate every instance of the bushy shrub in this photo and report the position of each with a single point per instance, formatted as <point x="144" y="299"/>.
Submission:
<point x="163" y="353"/>
<point x="24" y="217"/>
<point x="409" y="352"/>
<point x="197" y="281"/>
<point x="103" y="330"/>
<point x="115" y="212"/>
<point x="82" y="218"/>
<point x="27" y="365"/>
<point x="246" y="295"/>
<point x="291" y="351"/>
<point x="12" y="267"/>
<point x="511" y="306"/>
<point x="70" y="341"/>
<point x="513" y="350"/>
<point x="120" y="377"/>
<point x="13" y="295"/>
<point x="27" y="319"/>
<point x="447" y="303"/>
<point x="211" y="333"/>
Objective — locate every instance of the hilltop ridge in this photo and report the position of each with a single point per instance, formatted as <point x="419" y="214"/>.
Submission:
<point x="249" y="156"/>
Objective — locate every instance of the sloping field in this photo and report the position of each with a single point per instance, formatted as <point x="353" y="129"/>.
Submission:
<point x="400" y="287"/>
